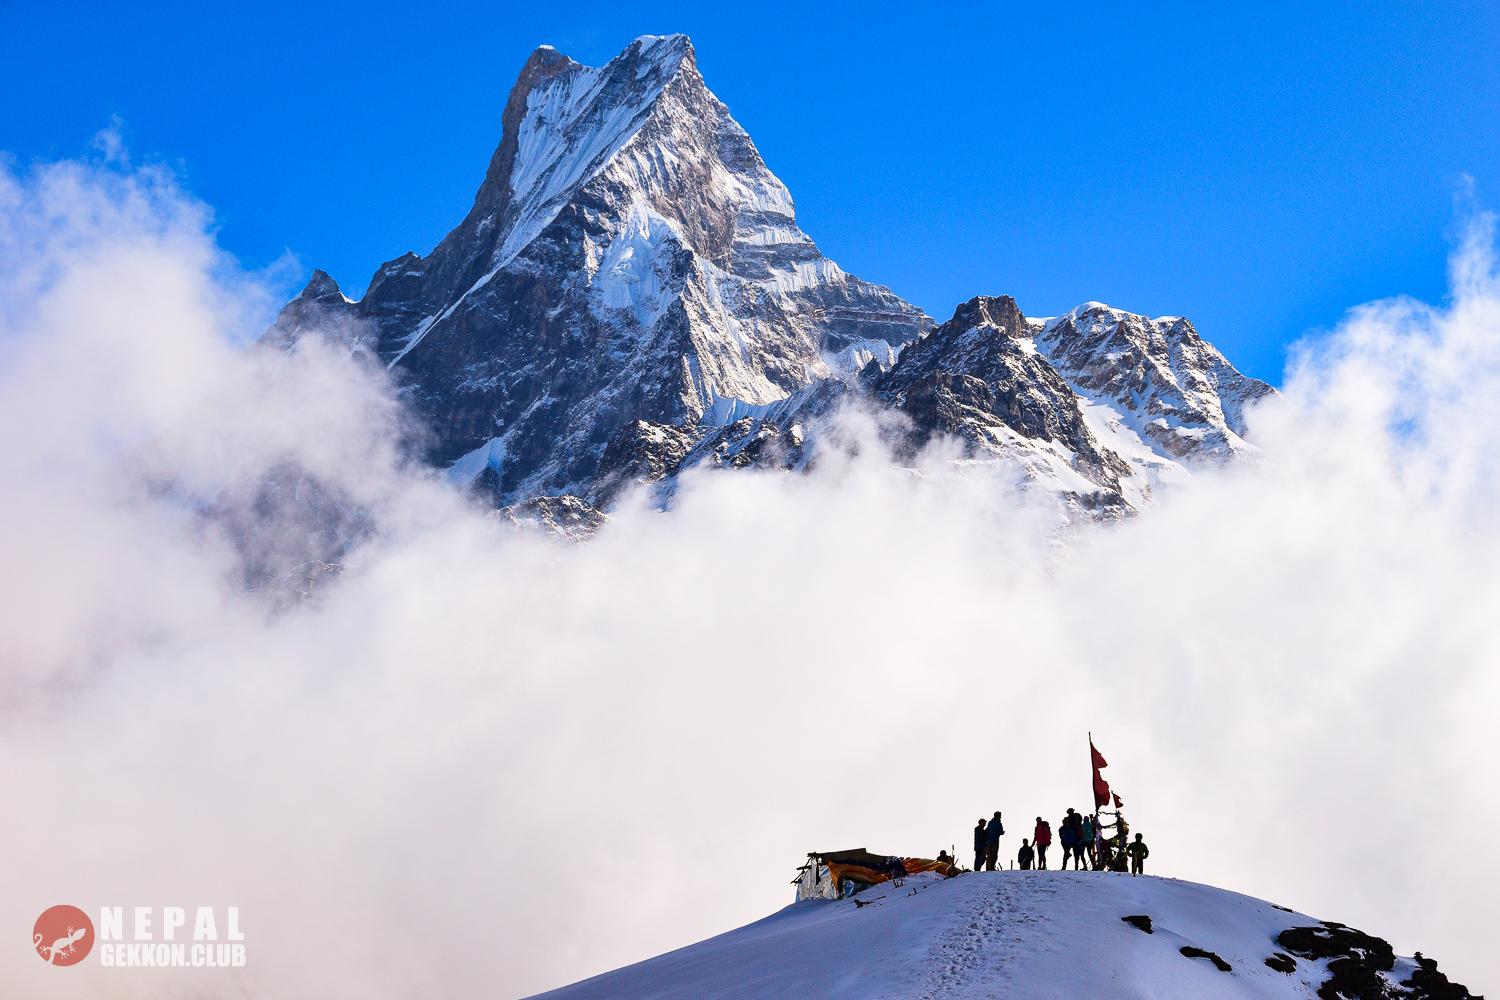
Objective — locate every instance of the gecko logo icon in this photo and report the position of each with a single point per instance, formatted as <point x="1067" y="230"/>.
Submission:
<point x="63" y="935"/>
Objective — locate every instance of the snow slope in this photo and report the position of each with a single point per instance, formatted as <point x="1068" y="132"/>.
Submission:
<point x="1002" y="934"/>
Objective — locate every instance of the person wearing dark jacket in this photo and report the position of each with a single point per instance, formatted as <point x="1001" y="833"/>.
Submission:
<point x="1068" y="834"/>
<point x="1042" y="838"/>
<point x="979" y="845"/>
<point x="992" y="834"/>
<point x="1024" y="856"/>
<point x="1138" y="852"/>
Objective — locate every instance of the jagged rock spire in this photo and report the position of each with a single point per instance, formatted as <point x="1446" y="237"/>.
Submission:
<point x="629" y="256"/>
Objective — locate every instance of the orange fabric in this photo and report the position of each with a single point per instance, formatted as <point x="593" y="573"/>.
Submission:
<point x="915" y="865"/>
<point x="855" y="873"/>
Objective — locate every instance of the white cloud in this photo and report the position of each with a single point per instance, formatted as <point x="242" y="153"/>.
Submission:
<point x="486" y="763"/>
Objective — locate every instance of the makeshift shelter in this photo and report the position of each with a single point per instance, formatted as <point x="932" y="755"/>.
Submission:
<point x="839" y="874"/>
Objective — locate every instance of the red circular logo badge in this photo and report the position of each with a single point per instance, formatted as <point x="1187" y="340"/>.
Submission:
<point x="63" y="935"/>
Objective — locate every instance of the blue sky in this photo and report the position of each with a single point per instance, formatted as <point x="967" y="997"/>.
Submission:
<point x="1258" y="171"/>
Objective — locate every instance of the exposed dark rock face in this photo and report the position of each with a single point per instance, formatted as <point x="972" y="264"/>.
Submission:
<point x="566" y="516"/>
<point x="1281" y="963"/>
<point x="641" y="454"/>
<point x="1359" y="965"/>
<point x="1354" y="979"/>
<point x="1427" y="981"/>
<point x="786" y="435"/>
<point x="974" y="378"/>
<point x="783" y="437"/>
<point x="1335" y="940"/>
<point x="319" y="308"/>
<point x="1140" y="922"/>
<point x="1192" y="951"/>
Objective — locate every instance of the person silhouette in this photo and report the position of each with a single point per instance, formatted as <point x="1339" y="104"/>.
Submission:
<point x="992" y="833"/>
<point x="1042" y="838"/>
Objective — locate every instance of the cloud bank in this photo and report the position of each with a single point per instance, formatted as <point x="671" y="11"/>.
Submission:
<point x="484" y="762"/>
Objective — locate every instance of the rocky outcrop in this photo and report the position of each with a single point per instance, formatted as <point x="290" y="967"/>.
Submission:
<point x="979" y="378"/>
<point x="1193" y="951"/>
<point x="1173" y="387"/>
<point x="1362" y="966"/>
<point x="641" y="454"/>
<point x="566" y="517"/>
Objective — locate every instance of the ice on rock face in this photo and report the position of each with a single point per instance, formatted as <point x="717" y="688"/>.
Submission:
<point x="635" y="271"/>
<point x="490" y="455"/>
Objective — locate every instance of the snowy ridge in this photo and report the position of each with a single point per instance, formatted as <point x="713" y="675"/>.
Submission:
<point x="1171" y="388"/>
<point x="979" y="378"/>
<point x="1024" y="935"/>
<point x="573" y="124"/>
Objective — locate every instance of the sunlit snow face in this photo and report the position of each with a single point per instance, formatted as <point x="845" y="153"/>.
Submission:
<point x="542" y="760"/>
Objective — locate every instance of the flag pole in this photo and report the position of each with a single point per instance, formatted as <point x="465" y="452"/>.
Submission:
<point x="1094" y="811"/>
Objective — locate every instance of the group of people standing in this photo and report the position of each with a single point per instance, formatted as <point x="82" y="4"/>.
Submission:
<point x="1084" y="841"/>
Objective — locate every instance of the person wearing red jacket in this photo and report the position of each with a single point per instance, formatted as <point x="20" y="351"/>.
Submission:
<point x="1042" y="838"/>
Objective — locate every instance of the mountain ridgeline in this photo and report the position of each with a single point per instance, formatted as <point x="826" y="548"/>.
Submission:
<point x="631" y="296"/>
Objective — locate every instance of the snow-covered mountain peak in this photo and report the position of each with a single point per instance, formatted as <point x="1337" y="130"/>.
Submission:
<point x="1094" y="307"/>
<point x="670" y="49"/>
<point x="320" y="284"/>
<point x="565" y="121"/>
<point x="631" y="293"/>
<point x="1173" y="387"/>
<point x="999" y="312"/>
<point x="629" y="257"/>
<point x="320" y="305"/>
<point x="979" y="378"/>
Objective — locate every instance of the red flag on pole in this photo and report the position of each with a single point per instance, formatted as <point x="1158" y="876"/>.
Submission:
<point x="1101" y="787"/>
